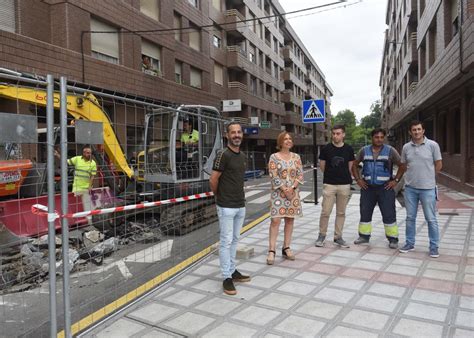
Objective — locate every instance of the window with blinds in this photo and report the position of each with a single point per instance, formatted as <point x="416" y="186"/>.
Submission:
<point x="178" y="72"/>
<point x="196" y="78"/>
<point x="218" y="74"/>
<point x="217" y="4"/>
<point x="177" y="26"/>
<point x="194" y="37"/>
<point x="104" y="46"/>
<point x="7" y="15"/>
<point x="150" y="8"/>
<point x="151" y="58"/>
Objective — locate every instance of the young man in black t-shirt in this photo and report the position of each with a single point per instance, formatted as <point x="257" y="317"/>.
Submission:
<point x="336" y="160"/>
<point x="227" y="184"/>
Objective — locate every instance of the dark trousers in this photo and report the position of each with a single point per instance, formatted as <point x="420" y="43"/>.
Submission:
<point x="369" y="198"/>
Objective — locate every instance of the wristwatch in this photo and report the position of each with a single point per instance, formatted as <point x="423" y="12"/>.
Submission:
<point x="396" y="180"/>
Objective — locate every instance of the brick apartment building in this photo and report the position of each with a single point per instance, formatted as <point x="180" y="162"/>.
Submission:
<point x="427" y="74"/>
<point x="260" y="62"/>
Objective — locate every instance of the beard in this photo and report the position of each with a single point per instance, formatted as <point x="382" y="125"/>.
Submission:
<point x="236" y="141"/>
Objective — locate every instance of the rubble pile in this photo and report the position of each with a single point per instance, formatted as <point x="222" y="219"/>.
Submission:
<point x="26" y="266"/>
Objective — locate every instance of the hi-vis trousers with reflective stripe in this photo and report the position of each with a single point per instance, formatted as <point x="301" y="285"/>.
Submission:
<point x="369" y="198"/>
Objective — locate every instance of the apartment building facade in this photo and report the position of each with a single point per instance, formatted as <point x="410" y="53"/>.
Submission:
<point x="427" y="74"/>
<point x="181" y="52"/>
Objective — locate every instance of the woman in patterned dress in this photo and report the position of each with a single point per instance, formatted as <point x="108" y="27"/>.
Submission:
<point x="286" y="173"/>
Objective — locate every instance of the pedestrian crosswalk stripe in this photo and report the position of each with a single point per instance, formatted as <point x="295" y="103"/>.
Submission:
<point x="252" y="192"/>
<point x="304" y="194"/>
<point x="263" y="199"/>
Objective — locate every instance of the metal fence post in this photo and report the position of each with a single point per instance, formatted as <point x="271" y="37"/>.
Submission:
<point x="51" y="218"/>
<point x="64" y="208"/>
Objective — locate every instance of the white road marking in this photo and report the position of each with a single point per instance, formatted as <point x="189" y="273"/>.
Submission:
<point x="152" y="254"/>
<point x="263" y="199"/>
<point x="253" y="192"/>
<point x="304" y="194"/>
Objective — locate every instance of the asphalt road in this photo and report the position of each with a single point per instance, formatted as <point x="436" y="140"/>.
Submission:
<point x="27" y="313"/>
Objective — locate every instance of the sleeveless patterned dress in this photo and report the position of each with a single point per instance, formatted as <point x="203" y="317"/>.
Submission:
<point x="285" y="174"/>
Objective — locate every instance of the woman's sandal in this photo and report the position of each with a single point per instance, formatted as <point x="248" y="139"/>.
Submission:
<point x="291" y="257"/>
<point x="270" y="261"/>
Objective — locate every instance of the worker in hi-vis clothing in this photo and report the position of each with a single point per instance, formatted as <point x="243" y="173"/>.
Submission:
<point x="377" y="186"/>
<point x="85" y="170"/>
<point x="190" y="136"/>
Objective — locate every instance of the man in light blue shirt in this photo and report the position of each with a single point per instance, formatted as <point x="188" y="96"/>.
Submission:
<point x="422" y="158"/>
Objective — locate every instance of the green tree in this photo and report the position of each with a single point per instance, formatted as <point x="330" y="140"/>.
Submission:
<point x="374" y="119"/>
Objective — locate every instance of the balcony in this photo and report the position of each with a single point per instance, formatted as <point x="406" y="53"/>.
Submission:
<point x="234" y="25"/>
<point x="238" y="85"/>
<point x="287" y="75"/>
<point x="293" y="118"/>
<point x="236" y="58"/>
<point x="307" y="78"/>
<point x="288" y="97"/>
<point x="288" y="54"/>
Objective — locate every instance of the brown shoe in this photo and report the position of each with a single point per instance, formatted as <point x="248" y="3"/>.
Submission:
<point x="229" y="287"/>
<point x="271" y="257"/>
<point x="286" y="253"/>
<point x="238" y="277"/>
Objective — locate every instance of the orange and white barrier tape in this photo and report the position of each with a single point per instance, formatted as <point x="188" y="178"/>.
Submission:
<point x="41" y="210"/>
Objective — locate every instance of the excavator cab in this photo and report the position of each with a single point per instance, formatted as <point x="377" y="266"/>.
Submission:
<point x="180" y="144"/>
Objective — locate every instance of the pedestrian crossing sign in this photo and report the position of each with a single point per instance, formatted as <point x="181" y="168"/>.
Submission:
<point x="313" y="111"/>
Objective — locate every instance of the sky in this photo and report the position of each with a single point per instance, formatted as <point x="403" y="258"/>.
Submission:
<point x="347" y="45"/>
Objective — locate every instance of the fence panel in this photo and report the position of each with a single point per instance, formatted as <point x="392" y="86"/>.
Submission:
<point x="150" y="153"/>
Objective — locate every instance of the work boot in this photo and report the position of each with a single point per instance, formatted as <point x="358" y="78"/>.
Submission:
<point x="320" y="241"/>
<point x="393" y="245"/>
<point x="361" y="240"/>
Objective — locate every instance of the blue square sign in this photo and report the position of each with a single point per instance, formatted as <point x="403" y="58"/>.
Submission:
<point x="313" y="111"/>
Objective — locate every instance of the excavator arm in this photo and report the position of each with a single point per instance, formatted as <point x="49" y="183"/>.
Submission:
<point x="84" y="107"/>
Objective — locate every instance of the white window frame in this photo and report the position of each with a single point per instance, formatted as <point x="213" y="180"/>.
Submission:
<point x="194" y="3"/>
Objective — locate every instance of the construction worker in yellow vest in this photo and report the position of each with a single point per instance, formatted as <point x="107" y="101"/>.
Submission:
<point x="85" y="169"/>
<point x="189" y="136"/>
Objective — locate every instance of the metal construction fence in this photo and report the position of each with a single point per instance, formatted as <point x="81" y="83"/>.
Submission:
<point x="142" y="168"/>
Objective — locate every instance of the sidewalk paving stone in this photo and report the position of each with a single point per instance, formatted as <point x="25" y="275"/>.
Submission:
<point x="363" y="291"/>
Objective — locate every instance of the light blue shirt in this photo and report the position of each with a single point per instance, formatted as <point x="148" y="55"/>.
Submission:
<point x="420" y="160"/>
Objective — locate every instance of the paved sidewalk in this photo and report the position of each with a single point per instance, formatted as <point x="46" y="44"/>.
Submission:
<point x="362" y="291"/>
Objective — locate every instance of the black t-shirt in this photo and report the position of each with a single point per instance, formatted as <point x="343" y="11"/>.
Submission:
<point x="230" y="190"/>
<point x="337" y="168"/>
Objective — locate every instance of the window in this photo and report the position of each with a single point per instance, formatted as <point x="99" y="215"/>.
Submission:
<point x="217" y="37"/>
<point x="104" y="46"/>
<point x="177" y="26"/>
<point x="151" y="58"/>
<point x="193" y="2"/>
<point x="7" y="16"/>
<point x="196" y="78"/>
<point x="150" y="8"/>
<point x="252" y="52"/>
<point x="252" y="22"/>
<point x="218" y="74"/>
<point x="194" y="37"/>
<point x="217" y="4"/>
<point x="216" y="41"/>
<point x="178" y="71"/>
<point x="253" y="85"/>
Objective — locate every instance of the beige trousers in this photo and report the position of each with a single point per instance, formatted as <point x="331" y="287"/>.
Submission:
<point x="340" y="194"/>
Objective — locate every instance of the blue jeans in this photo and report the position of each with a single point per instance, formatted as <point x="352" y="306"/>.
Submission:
<point x="230" y="224"/>
<point x="427" y="197"/>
